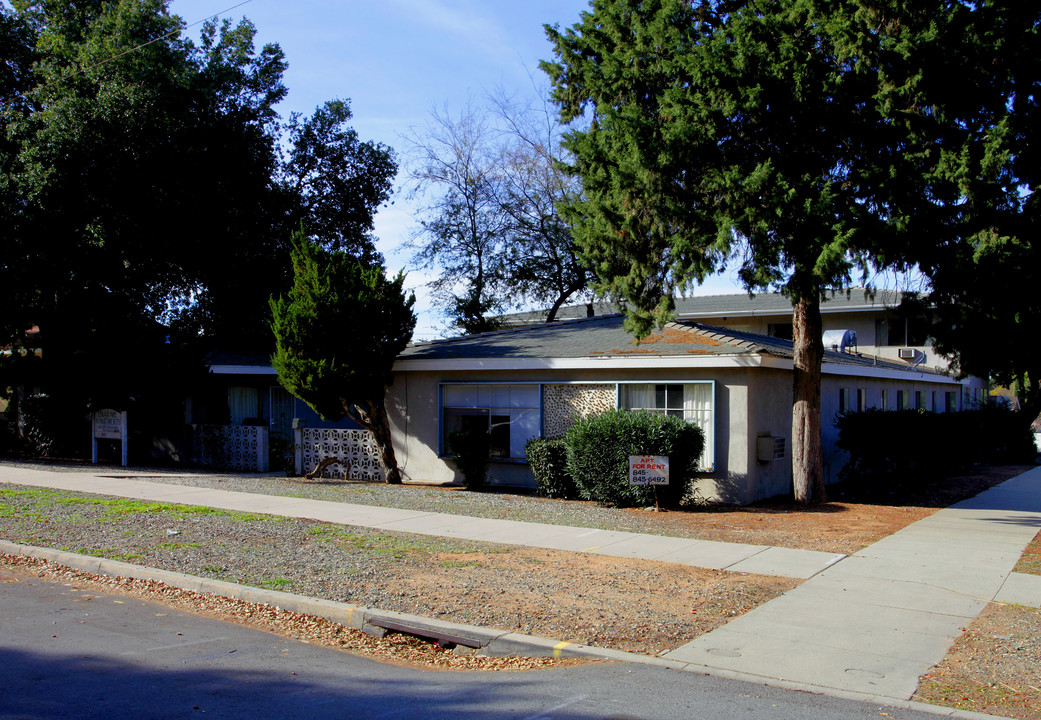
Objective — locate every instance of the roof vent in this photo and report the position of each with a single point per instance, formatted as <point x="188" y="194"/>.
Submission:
<point x="840" y="340"/>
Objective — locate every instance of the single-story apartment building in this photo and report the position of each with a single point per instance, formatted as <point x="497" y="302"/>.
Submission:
<point x="532" y="381"/>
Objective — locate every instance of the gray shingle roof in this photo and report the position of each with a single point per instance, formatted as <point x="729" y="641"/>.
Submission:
<point x="605" y="336"/>
<point x="736" y="305"/>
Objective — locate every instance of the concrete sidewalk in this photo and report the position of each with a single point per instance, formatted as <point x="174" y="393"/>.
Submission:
<point x="735" y="557"/>
<point x="878" y="620"/>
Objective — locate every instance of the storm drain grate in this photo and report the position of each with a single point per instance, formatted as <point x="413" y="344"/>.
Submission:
<point x="444" y="639"/>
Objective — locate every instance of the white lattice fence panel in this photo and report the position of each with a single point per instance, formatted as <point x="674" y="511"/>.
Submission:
<point x="229" y="447"/>
<point x="356" y="447"/>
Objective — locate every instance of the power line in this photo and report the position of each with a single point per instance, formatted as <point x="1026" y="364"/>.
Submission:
<point x="175" y="31"/>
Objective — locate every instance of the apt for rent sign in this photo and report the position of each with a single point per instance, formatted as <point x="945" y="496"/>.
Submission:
<point x="648" y="469"/>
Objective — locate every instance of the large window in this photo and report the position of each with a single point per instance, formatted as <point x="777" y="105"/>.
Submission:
<point x="509" y="413"/>
<point x="691" y="401"/>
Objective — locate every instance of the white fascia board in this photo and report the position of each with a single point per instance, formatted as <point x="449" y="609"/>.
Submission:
<point x="887" y="374"/>
<point x="865" y="371"/>
<point x="777" y="313"/>
<point x="586" y="363"/>
<point x="242" y="370"/>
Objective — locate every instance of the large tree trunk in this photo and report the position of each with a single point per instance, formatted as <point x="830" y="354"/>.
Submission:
<point x="807" y="458"/>
<point x="372" y="415"/>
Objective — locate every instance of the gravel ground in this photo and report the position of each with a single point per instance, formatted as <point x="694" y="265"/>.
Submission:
<point x="632" y="605"/>
<point x="841" y="526"/>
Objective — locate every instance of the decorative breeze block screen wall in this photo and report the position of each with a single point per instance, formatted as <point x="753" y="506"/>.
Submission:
<point x="230" y="447"/>
<point x="354" y="446"/>
<point x="561" y="403"/>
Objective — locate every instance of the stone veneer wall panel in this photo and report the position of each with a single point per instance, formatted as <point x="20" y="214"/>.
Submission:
<point x="561" y="403"/>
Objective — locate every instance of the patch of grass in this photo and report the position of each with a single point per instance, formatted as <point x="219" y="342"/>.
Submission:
<point x="35" y="493"/>
<point x="213" y="568"/>
<point x="177" y="545"/>
<point x="41" y="497"/>
<point x="275" y="583"/>
<point x="460" y="563"/>
<point x="8" y="510"/>
<point x="110" y="553"/>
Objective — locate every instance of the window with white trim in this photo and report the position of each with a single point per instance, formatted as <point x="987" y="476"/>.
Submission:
<point x="694" y="402"/>
<point x="508" y="413"/>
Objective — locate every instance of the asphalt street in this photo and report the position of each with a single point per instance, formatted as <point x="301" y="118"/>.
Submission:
<point x="68" y="653"/>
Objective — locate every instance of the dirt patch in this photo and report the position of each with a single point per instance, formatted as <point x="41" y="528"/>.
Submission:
<point x="1030" y="563"/>
<point x="994" y="667"/>
<point x="633" y="605"/>
<point x="855" y="517"/>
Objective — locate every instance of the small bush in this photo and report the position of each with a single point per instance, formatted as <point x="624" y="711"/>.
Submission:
<point x="547" y="458"/>
<point x="282" y="454"/>
<point x="598" y="450"/>
<point x="1002" y="436"/>
<point x="912" y="446"/>
<point x="41" y="424"/>
<point x="471" y="450"/>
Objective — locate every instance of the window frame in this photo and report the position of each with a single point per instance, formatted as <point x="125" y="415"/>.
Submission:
<point x="711" y="439"/>
<point x="442" y="450"/>
<point x="540" y="384"/>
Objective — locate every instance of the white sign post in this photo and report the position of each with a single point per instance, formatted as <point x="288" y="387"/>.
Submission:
<point x="109" y="425"/>
<point x="649" y="470"/>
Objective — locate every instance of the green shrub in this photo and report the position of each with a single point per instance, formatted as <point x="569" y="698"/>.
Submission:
<point x="471" y="450"/>
<point x="281" y="452"/>
<point x="1002" y="435"/>
<point x="41" y="424"/>
<point x="547" y="458"/>
<point x="598" y="450"/>
<point x="909" y="446"/>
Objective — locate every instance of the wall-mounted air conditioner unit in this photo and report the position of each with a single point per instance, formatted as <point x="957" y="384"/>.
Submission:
<point x="907" y="353"/>
<point x="769" y="448"/>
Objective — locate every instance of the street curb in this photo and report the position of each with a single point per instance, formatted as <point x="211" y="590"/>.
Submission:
<point x="493" y="643"/>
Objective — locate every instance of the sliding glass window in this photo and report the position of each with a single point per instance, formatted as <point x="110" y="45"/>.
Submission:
<point x="508" y="413"/>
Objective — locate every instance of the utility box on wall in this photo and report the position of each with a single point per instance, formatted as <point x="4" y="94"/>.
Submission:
<point x="769" y="448"/>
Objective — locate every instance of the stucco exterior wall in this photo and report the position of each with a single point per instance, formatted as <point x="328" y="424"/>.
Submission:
<point x="769" y="415"/>
<point x="748" y="402"/>
<point x="933" y="388"/>
<point x="412" y="404"/>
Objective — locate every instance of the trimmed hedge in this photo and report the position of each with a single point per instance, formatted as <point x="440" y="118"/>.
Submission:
<point x="919" y="446"/>
<point x="599" y="446"/>
<point x="547" y="458"/>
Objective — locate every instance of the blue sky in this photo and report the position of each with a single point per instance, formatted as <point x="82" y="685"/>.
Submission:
<point x="396" y="60"/>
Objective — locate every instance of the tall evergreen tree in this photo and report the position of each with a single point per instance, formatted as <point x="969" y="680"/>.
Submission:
<point x="337" y="334"/>
<point x="791" y="134"/>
